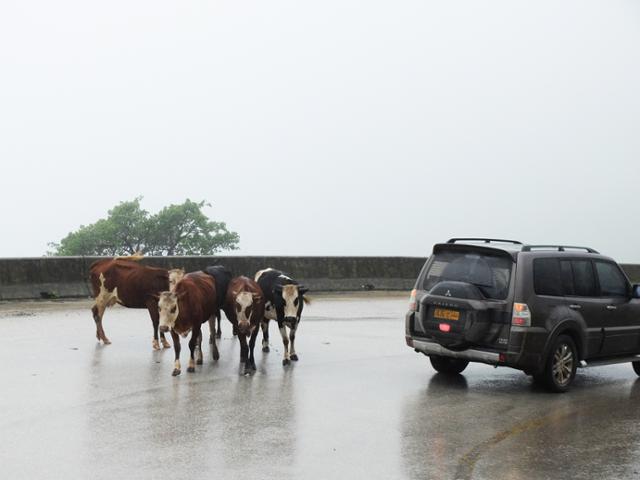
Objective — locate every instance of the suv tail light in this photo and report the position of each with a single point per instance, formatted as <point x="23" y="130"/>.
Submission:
<point x="412" y="300"/>
<point x="521" y="315"/>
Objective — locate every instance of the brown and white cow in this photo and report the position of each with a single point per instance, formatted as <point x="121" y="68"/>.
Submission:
<point x="244" y="307"/>
<point x="184" y="310"/>
<point x="222" y="277"/>
<point x="124" y="281"/>
<point x="284" y="302"/>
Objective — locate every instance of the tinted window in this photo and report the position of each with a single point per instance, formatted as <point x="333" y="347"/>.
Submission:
<point x="489" y="273"/>
<point x="546" y="277"/>
<point x="584" y="282"/>
<point x="612" y="282"/>
<point x="567" y="277"/>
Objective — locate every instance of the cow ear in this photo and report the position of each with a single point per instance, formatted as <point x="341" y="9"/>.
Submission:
<point x="302" y="290"/>
<point x="156" y="296"/>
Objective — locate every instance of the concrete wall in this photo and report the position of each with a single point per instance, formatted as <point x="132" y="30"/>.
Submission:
<point x="633" y="272"/>
<point x="67" y="277"/>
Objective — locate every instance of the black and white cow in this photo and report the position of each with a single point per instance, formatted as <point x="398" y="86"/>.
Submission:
<point x="284" y="302"/>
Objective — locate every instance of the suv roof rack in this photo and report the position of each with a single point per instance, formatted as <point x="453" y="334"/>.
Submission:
<point x="484" y="240"/>
<point x="560" y="248"/>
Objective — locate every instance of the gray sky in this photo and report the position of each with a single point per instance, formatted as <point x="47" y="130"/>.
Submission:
<point x="341" y="127"/>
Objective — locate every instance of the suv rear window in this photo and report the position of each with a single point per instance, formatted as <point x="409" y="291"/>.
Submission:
<point x="491" y="274"/>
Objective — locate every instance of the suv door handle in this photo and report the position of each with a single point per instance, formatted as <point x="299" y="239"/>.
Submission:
<point x="611" y="307"/>
<point x="575" y="307"/>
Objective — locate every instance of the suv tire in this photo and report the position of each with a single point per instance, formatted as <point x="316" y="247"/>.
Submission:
<point x="560" y="368"/>
<point x="447" y="365"/>
<point x="636" y="367"/>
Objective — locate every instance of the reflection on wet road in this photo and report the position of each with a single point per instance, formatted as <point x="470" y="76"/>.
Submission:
<point x="358" y="404"/>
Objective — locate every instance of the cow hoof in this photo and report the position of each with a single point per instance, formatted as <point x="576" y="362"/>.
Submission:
<point x="216" y="356"/>
<point x="176" y="372"/>
<point x="165" y="344"/>
<point x="106" y="341"/>
<point x="218" y="335"/>
<point x="155" y="345"/>
<point x="286" y="362"/>
<point x="294" y="357"/>
<point x="266" y="349"/>
<point x="191" y="370"/>
<point x="199" y="361"/>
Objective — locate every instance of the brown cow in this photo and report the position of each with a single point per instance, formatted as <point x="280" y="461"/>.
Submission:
<point x="222" y="277"/>
<point x="244" y="307"/>
<point x="184" y="310"/>
<point x="123" y="280"/>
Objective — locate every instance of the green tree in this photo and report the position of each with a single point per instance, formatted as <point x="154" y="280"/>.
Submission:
<point x="185" y="230"/>
<point x="176" y="230"/>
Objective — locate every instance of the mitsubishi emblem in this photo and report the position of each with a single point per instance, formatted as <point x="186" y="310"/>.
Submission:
<point x="448" y="294"/>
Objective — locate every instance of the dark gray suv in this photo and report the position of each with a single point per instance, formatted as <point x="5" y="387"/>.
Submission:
<point x="543" y="309"/>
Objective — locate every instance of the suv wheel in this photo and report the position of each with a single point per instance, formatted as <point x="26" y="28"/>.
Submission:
<point x="448" y="365"/>
<point x="636" y="367"/>
<point x="560" y="369"/>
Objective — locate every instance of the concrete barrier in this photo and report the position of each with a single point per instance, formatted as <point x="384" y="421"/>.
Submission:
<point x="67" y="277"/>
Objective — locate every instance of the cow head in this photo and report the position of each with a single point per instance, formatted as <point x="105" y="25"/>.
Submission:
<point x="244" y="308"/>
<point x="292" y="301"/>
<point x="168" y="309"/>
<point x="175" y="276"/>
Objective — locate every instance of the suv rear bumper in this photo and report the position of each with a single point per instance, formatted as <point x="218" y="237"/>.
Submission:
<point x="433" y="348"/>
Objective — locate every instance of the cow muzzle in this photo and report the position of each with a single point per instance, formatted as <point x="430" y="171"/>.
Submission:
<point x="164" y="328"/>
<point x="291" y="320"/>
<point x="244" y="328"/>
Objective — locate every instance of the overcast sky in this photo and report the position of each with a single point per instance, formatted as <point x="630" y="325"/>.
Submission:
<point x="340" y="127"/>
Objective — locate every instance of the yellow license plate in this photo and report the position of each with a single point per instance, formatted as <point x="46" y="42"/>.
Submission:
<point x="445" y="314"/>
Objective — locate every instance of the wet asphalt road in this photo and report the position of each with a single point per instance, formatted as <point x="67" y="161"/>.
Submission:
<point x="359" y="404"/>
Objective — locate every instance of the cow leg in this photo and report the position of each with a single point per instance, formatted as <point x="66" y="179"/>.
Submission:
<point x="265" y="335"/>
<point x="252" y="344"/>
<point x="176" y="348"/>
<point x="244" y="354"/>
<point x="285" y="342"/>
<point x="215" y="354"/>
<point x="219" y="329"/>
<point x="292" y="337"/>
<point x="152" y="307"/>
<point x="98" y="312"/>
<point x="212" y="330"/>
<point x="199" y="350"/>
<point x="193" y="346"/>
<point x="104" y="299"/>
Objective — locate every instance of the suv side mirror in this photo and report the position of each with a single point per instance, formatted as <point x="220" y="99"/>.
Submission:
<point x="635" y="290"/>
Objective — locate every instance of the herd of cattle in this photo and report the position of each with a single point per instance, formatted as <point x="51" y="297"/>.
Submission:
<point x="180" y="303"/>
